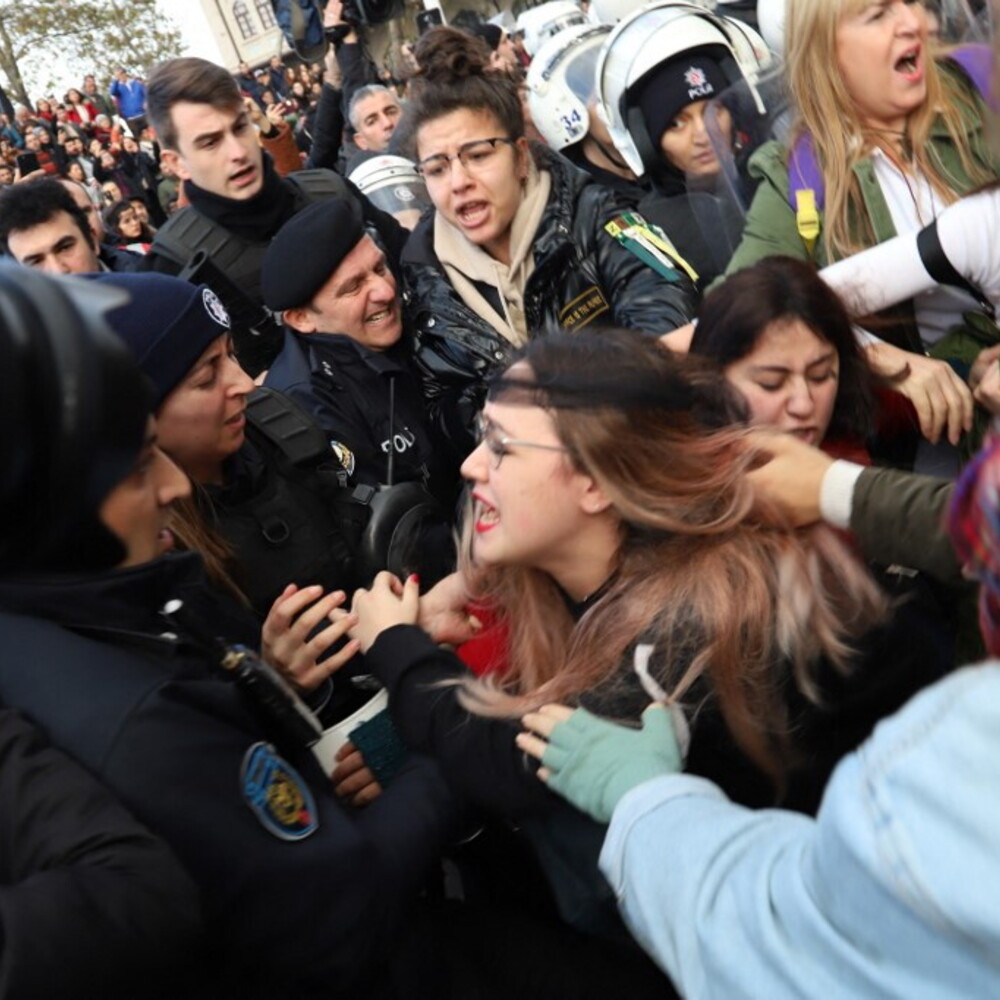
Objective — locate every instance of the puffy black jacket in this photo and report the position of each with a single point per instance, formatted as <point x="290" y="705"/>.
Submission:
<point x="289" y="913"/>
<point x="91" y="903"/>
<point x="582" y="275"/>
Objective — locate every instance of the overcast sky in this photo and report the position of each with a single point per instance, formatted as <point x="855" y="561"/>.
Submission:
<point x="197" y="36"/>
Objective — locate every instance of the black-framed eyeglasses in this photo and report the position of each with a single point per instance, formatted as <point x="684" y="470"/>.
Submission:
<point x="498" y="445"/>
<point x="474" y="156"/>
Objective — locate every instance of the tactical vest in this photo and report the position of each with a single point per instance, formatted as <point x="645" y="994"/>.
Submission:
<point x="304" y="524"/>
<point x="230" y="265"/>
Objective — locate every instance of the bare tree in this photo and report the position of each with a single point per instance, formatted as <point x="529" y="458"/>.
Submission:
<point x="82" y="36"/>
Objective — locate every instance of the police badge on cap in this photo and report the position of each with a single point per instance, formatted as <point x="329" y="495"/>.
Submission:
<point x="214" y="307"/>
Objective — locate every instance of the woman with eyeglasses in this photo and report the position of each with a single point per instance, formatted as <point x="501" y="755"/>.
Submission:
<point x="517" y="244"/>
<point x="615" y="536"/>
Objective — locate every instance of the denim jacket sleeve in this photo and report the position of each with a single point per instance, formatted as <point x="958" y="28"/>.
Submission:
<point x="891" y="892"/>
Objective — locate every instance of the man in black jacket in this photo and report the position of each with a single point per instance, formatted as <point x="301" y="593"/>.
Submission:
<point x="237" y="200"/>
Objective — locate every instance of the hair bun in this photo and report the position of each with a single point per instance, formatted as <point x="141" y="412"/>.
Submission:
<point x="447" y="55"/>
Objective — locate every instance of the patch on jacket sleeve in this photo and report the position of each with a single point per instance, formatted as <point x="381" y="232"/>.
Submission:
<point x="277" y="794"/>
<point x="344" y="455"/>
<point x="585" y="308"/>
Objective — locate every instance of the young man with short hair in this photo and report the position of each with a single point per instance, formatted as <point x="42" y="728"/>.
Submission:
<point x="42" y="227"/>
<point x="51" y="225"/>
<point x="237" y="200"/>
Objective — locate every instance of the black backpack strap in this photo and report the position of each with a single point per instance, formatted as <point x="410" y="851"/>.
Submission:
<point x="208" y="254"/>
<point x="935" y="260"/>
<point x="303" y="450"/>
<point x="188" y="231"/>
<point x="246" y="314"/>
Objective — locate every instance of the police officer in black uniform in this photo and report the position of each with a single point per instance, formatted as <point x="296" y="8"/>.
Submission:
<point x="346" y="358"/>
<point x="267" y="482"/>
<point x="304" y="897"/>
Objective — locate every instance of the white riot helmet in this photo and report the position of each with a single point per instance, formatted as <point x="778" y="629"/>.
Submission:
<point x="771" y="22"/>
<point x="561" y="83"/>
<point x="654" y="36"/>
<point x="540" y="23"/>
<point x="393" y="184"/>
<point x="614" y="11"/>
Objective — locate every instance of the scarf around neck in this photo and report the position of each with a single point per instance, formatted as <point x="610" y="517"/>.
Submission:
<point x="467" y="264"/>
<point x="256" y="219"/>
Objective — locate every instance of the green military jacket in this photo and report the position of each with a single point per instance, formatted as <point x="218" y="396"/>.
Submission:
<point x="771" y="228"/>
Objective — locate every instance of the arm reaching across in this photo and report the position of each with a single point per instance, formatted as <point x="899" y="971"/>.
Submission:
<point x="594" y="763"/>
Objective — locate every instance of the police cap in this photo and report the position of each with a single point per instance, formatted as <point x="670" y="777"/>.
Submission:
<point x="307" y="250"/>
<point x="675" y="84"/>
<point x="168" y="323"/>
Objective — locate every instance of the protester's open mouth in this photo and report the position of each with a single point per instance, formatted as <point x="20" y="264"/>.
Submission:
<point x="237" y="420"/>
<point x="808" y="434"/>
<point x="487" y="516"/>
<point x="473" y="213"/>
<point x="909" y="65"/>
<point x="165" y="540"/>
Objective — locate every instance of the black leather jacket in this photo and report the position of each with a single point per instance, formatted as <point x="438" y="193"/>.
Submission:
<point x="582" y="275"/>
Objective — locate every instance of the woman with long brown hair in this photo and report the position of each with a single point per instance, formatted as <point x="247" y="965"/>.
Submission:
<point x="616" y="538"/>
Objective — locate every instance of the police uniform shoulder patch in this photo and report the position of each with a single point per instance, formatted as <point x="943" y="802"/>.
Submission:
<point x="344" y="455"/>
<point x="277" y="794"/>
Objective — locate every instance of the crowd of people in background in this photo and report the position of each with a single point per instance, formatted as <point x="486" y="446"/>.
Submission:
<point x="506" y="523"/>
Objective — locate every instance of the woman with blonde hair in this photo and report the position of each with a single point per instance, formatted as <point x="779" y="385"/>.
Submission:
<point x="890" y="130"/>
<point x="892" y="98"/>
<point x="616" y="538"/>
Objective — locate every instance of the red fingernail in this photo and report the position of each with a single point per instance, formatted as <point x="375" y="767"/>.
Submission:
<point x="415" y="578"/>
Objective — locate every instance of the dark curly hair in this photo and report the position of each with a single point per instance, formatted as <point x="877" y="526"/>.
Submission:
<point x="455" y="75"/>
<point x="24" y="206"/>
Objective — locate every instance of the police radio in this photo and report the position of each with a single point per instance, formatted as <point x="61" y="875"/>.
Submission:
<point x="264" y="686"/>
<point x="295" y="724"/>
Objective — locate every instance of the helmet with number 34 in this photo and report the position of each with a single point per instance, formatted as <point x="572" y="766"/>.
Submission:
<point x="561" y="83"/>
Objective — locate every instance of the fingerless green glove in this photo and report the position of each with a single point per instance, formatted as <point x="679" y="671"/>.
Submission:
<point x="594" y="763"/>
